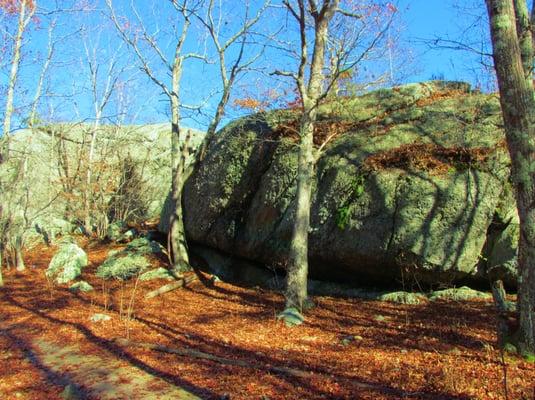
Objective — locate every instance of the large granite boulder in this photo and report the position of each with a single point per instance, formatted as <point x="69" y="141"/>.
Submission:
<point x="406" y="187"/>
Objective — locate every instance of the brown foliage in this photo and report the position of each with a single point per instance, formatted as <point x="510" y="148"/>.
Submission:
<point x="428" y="157"/>
<point x="434" y="350"/>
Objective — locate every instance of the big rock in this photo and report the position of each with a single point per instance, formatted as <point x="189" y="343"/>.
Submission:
<point x="408" y="182"/>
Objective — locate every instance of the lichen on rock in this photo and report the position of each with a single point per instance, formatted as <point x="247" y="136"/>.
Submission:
<point x="67" y="264"/>
<point x="407" y="186"/>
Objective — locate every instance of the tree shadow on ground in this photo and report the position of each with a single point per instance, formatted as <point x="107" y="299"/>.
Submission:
<point x="112" y="349"/>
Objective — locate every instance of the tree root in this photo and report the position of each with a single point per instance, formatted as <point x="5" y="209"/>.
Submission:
<point x="183" y="281"/>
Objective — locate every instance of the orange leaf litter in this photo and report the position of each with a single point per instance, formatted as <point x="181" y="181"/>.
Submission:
<point x="439" y="350"/>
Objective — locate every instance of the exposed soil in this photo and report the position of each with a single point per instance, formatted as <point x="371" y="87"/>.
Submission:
<point x="349" y="348"/>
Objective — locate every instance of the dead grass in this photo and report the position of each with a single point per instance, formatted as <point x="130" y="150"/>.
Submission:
<point x="429" y="157"/>
<point x="439" y="350"/>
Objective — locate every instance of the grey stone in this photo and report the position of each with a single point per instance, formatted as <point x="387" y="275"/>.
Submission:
<point x="380" y="213"/>
<point x="99" y="318"/>
<point x="122" y="266"/>
<point x="116" y="230"/>
<point x="67" y="264"/>
<point x="459" y="294"/>
<point x="158" y="273"/>
<point x="81" y="286"/>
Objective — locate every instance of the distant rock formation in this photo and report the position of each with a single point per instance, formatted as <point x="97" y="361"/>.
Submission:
<point x="54" y="158"/>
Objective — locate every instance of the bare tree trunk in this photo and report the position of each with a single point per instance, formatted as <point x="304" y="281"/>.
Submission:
<point x="15" y="63"/>
<point x="296" y="286"/>
<point x="498" y="295"/>
<point x="518" y="109"/>
<point x="1" y="267"/>
<point x="297" y="270"/>
<point x="176" y="224"/>
<point x="88" y="226"/>
<point x="18" y="254"/>
<point x="42" y="75"/>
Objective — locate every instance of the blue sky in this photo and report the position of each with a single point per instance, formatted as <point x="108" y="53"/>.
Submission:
<point x="420" y="22"/>
<point x="453" y="20"/>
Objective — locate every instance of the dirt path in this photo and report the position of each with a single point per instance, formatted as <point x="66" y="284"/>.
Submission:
<point x="103" y="378"/>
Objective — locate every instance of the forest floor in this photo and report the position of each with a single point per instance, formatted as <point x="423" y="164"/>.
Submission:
<point x="346" y="349"/>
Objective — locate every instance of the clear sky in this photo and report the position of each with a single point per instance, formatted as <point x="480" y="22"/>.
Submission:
<point x="463" y="21"/>
<point x="68" y="86"/>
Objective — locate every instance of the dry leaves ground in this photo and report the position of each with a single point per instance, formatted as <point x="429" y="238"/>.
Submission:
<point x="355" y="349"/>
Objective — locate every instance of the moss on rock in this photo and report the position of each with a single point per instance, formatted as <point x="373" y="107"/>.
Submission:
<point x="67" y="264"/>
<point x="424" y="205"/>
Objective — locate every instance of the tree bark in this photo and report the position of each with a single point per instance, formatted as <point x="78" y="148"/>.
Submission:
<point x="170" y="287"/>
<point x="498" y="295"/>
<point x="15" y="63"/>
<point x="296" y="286"/>
<point x="1" y="267"/>
<point x="297" y="269"/>
<point x="179" y="249"/>
<point x="518" y="109"/>
<point x="18" y="254"/>
<point x="88" y="226"/>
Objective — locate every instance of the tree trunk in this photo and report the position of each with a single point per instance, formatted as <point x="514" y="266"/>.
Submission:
<point x="88" y="226"/>
<point x="498" y="295"/>
<point x="177" y="233"/>
<point x="18" y="254"/>
<point x="1" y="268"/>
<point x="15" y="62"/>
<point x="518" y="109"/>
<point x="296" y="286"/>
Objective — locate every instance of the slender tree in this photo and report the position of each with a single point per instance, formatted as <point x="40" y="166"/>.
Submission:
<point x="311" y="92"/>
<point x="103" y="84"/>
<point x="24" y="9"/>
<point x="146" y="45"/>
<point x="174" y="67"/>
<point x="512" y="41"/>
<point x="330" y="44"/>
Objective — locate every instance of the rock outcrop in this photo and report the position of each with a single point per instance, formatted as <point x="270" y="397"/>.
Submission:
<point x="408" y="182"/>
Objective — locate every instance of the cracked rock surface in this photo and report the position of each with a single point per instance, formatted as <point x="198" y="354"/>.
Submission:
<point x="405" y="190"/>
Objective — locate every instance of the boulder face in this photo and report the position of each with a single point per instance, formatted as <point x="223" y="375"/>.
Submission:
<point x="408" y="181"/>
<point x="67" y="264"/>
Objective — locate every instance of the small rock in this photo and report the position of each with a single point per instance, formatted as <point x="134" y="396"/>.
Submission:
<point x="115" y="230"/>
<point x="510" y="348"/>
<point x="71" y="392"/>
<point x="158" y="273"/>
<point x="81" y="286"/>
<point x="459" y="294"/>
<point x="123" y="266"/>
<point x="99" y="318"/>
<point x="67" y="263"/>
<point x="128" y="236"/>
<point x="402" y="297"/>
<point x="291" y="317"/>
<point x="346" y="340"/>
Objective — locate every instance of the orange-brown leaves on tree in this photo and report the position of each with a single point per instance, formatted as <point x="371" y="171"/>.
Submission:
<point x="14" y="6"/>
